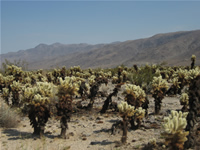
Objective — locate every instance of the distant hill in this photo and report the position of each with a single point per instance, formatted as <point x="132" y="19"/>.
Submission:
<point x="174" y="48"/>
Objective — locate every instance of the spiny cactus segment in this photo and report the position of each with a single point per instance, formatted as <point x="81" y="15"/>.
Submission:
<point x="174" y="130"/>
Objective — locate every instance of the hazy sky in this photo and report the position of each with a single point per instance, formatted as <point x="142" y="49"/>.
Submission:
<point x="25" y="24"/>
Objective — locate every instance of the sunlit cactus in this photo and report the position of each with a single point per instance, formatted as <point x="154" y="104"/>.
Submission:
<point x="56" y="75"/>
<point x="139" y="115"/>
<point x="115" y="80"/>
<point x="49" y="77"/>
<point x="15" y="89"/>
<point x="174" y="87"/>
<point x="91" y="80"/>
<point x="134" y="95"/>
<point x="36" y="102"/>
<point x="159" y="88"/>
<point x="124" y="76"/>
<point x="125" y="109"/>
<point x="15" y="71"/>
<point x="184" y="100"/>
<point x="125" y="112"/>
<point x="182" y="75"/>
<point x="174" y="130"/>
<point x="193" y="73"/>
<point x="66" y="90"/>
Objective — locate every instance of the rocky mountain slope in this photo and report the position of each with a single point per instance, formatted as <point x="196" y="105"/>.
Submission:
<point x="174" y="48"/>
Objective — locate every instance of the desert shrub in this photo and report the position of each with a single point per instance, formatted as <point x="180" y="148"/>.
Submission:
<point x="8" y="117"/>
<point x="143" y="77"/>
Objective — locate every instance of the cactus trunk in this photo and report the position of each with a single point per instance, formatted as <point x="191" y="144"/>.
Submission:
<point x="124" y="127"/>
<point x="64" y="127"/>
<point x="157" y="105"/>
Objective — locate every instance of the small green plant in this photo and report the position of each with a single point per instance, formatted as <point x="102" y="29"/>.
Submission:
<point x="174" y="130"/>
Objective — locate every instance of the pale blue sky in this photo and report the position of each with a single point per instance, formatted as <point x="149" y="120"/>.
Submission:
<point x="26" y="24"/>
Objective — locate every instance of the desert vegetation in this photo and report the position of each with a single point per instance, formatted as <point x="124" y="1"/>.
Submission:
<point x="62" y="94"/>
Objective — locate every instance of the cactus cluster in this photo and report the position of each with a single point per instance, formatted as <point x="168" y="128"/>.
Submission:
<point x="128" y="112"/>
<point x="134" y="95"/>
<point x="125" y="109"/>
<point x="174" y="130"/>
<point x="159" y="88"/>
<point x="184" y="100"/>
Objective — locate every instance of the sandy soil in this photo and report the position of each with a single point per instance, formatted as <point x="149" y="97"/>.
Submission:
<point x="90" y="131"/>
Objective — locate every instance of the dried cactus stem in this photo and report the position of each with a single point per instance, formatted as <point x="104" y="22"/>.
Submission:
<point x="158" y="102"/>
<point x="15" y="99"/>
<point x="184" y="108"/>
<point x="109" y="99"/>
<point x="133" y="125"/>
<point x="64" y="127"/>
<point x="124" y="128"/>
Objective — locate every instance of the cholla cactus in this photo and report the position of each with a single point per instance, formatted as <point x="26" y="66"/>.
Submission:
<point x="184" y="100"/>
<point x="139" y="115"/>
<point x="174" y="87"/>
<point x="15" y="71"/>
<point x="159" y="87"/>
<point x="193" y="73"/>
<point x="134" y="95"/>
<point x="114" y="79"/>
<point x="66" y="90"/>
<point x="182" y="75"/>
<point x="5" y="95"/>
<point x="15" y="89"/>
<point x="68" y="87"/>
<point x="125" y="111"/>
<point x="193" y="58"/>
<point x="91" y="80"/>
<point x="174" y="130"/>
<point x="124" y="75"/>
<point x="36" y="101"/>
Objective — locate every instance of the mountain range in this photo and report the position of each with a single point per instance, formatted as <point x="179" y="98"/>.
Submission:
<point x="174" y="48"/>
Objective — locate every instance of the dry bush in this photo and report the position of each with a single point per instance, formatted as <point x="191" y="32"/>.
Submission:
<point x="8" y="117"/>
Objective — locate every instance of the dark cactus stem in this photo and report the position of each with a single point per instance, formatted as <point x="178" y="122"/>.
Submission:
<point x="192" y="64"/>
<point x="106" y="103"/>
<point x="109" y="98"/>
<point x="38" y="118"/>
<point x="124" y="128"/>
<point x="157" y="105"/>
<point x="119" y="74"/>
<point x="194" y="113"/>
<point x="15" y="99"/>
<point x="64" y="127"/>
<point x="133" y="125"/>
<point x="135" y="67"/>
<point x="184" y="108"/>
<point x="64" y="109"/>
